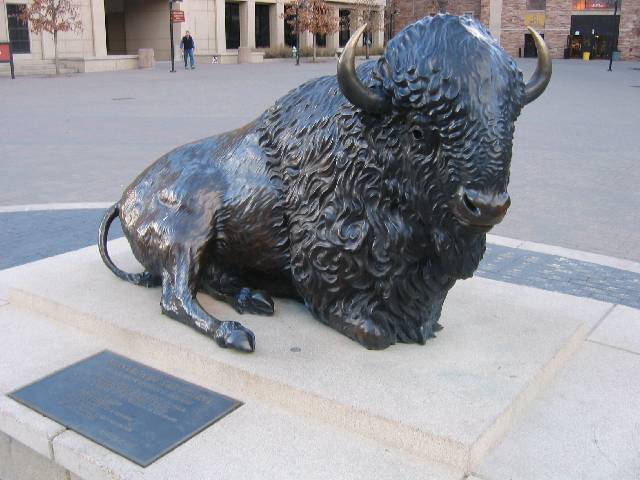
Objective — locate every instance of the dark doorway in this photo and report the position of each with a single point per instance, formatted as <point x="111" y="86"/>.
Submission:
<point x="18" y="30"/>
<point x="595" y="34"/>
<point x="530" y="50"/>
<point x="115" y="27"/>
<point x="232" y="25"/>
<point x="262" y="26"/>
<point x="289" y="36"/>
<point x="345" y="34"/>
<point x="321" y="40"/>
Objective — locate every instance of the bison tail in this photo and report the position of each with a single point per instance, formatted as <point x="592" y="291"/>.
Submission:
<point x="145" y="279"/>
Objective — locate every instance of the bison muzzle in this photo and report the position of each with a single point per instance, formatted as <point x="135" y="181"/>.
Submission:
<point x="365" y="195"/>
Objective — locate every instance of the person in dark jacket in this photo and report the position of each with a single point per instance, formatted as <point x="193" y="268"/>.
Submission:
<point x="187" y="46"/>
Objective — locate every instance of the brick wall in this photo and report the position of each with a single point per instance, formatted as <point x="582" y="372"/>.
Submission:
<point x="409" y="11"/>
<point x="629" y="38"/>
<point x="557" y="26"/>
<point x="458" y="7"/>
<point x="557" y="22"/>
<point x="513" y="29"/>
<point x="484" y="12"/>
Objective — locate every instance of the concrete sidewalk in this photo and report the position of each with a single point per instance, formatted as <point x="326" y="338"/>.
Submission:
<point x="521" y="383"/>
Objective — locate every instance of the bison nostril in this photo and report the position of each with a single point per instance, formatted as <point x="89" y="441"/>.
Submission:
<point x="470" y="205"/>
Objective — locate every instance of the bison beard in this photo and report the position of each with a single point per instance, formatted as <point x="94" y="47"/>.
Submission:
<point x="365" y="195"/>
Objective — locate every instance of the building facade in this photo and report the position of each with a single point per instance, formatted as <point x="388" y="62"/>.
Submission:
<point x="114" y="30"/>
<point x="570" y="27"/>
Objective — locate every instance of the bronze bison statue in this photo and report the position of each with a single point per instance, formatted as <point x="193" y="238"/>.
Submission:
<point x="365" y="195"/>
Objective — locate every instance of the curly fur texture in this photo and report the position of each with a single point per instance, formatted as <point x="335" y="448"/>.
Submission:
<point x="374" y="244"/>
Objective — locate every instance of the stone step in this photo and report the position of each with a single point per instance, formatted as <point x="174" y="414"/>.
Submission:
<point x="34" y="68"/>
<point x="255" y="442"/>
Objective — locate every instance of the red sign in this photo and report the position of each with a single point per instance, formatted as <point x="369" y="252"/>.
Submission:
<point x="176" y="16"/>
<point x="5" y="52"/>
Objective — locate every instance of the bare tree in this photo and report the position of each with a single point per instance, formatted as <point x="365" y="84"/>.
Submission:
<point x="52" y="16"/>
<point x="369" y="12"/>
<point x="313" y="16"/>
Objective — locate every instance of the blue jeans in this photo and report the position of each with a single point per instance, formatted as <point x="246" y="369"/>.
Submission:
<point x="188" y="53"/>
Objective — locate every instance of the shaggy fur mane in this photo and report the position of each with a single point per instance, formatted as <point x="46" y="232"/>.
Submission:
<point x="370" y="229"/>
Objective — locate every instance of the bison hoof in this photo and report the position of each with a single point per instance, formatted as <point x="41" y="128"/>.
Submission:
<point x="253" y="301"/>
<point x="371" y="336"/>
<point x="234" y="335"/>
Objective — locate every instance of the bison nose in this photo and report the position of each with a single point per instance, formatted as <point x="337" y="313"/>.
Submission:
<point x="482" y="210"/>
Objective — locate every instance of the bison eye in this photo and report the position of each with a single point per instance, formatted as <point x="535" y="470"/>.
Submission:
<point x="417" y="134"/>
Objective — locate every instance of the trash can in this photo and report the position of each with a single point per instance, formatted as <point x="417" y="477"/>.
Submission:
<point x="616" y="56"/>
<point x="586" y="56"/>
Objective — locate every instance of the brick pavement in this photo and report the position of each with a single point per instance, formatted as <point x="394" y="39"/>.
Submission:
<point x="30" y="236"/>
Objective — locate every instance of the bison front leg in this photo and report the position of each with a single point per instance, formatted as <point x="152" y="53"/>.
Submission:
<point x="367" y="327"/>
<point x="179" y="302"/>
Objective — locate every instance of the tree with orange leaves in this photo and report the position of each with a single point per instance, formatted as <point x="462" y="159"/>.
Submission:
<point x="52" y="16"/>
<point x="371" y="13"/>
<point x="313" y="16"/>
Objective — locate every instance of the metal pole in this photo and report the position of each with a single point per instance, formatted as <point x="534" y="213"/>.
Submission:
<point x="13" y="74"/>
<point x="615" y="12"/>
<point x="173" y="69"/>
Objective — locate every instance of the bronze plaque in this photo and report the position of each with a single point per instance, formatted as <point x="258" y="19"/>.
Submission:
<point x="134" y="410"/>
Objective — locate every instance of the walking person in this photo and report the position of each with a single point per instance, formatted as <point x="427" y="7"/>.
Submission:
<point x="187" y="46"/>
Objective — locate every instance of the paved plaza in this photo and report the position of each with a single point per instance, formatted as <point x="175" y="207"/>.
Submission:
<point x="542" y="381"/>
<point x="83" y="138"/>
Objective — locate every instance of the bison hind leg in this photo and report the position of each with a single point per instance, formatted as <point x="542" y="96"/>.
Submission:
<point x="230" y="289"/>
<point x="179" y="302"/>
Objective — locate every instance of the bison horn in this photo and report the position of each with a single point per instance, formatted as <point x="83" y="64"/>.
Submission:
<point x="361" y="96"/>
<point x="540" y="79"/>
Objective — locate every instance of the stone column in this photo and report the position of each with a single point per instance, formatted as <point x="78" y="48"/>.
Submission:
<point x="221" y="39"/>
<point x="332" y="41"/>
<point x="276" y="25"/>
<point x="98" y="28"/>
<point x="378" y="32"/>
<point x="495" y="18"/>
<point x="306" y="40"/>
<point x="248" y="24"/>
<point x="4" y="24"/>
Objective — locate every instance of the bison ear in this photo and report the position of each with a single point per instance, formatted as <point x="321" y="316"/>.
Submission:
<point x="540" y="78"/>
<point x="367" y="99"/>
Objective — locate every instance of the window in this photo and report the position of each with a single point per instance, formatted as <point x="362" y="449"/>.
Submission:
<point x="18" y="30"/>
<point x="536" y="4"/>
<point x="232" y="24"/>
<point x="321" y="40"/>
<point x="344" y="27"/>
<point x="594" y="4"/>
<point x="262" y="26"/>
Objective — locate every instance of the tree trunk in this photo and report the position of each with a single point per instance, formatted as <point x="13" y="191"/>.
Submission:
<point x="366" y="46"/>
<point x="55" y="50"/>
<point x="314" y="47"/>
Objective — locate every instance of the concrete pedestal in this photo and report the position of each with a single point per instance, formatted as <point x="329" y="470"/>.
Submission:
<point x="146" y="58"/>
<point x="317" y="405"/>
<point x="244" y="55"/>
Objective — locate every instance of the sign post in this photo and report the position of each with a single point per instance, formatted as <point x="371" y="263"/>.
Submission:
<point x="175" y="16"/>
<point x="615" y="42"/>
<point x="6" y="56"/>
